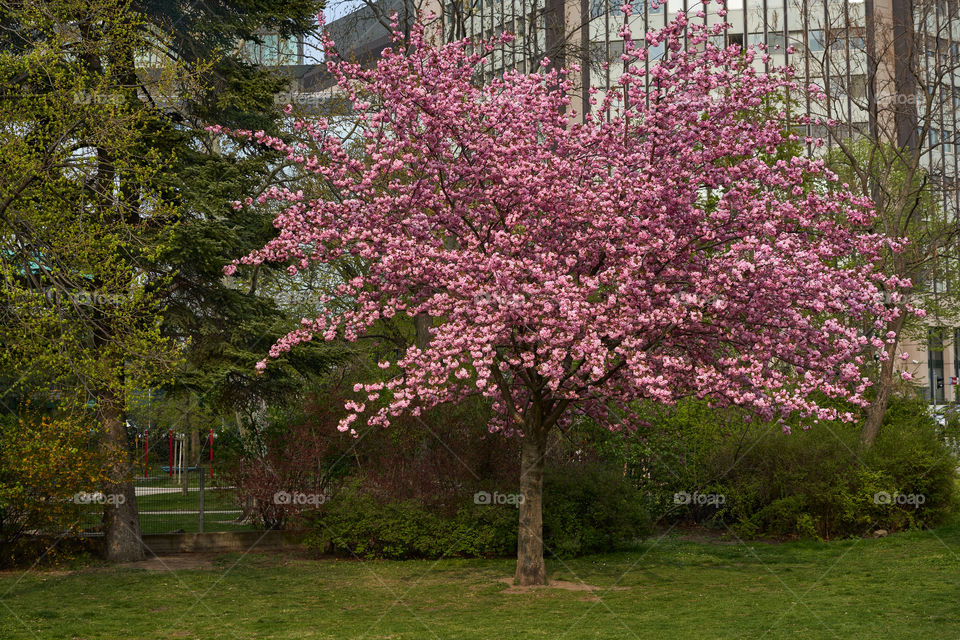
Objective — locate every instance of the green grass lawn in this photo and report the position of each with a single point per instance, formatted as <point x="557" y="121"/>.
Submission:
<point x="903" y="586"/>
<point x="212" y="499"/>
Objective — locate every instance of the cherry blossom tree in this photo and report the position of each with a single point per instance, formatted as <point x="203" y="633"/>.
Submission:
<point x="572" y="264"/>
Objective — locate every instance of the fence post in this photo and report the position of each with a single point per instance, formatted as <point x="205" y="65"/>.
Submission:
<point x="201" y="499"/>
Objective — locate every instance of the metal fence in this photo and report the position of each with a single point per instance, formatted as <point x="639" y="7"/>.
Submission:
<point x="177" y="490"/>
<point x="186" y="501"/>
<point x="176" y="486"/>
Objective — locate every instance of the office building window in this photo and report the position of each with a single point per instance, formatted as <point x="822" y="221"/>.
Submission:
<point x="816" y="40"/>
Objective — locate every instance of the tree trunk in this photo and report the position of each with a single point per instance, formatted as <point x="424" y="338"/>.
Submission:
<point x="122" y="541"/>
<point x="422" y="322"/>
<point x="878" y="408"/>
<point x="531" y="569"/>
<point x="195" y="447"/>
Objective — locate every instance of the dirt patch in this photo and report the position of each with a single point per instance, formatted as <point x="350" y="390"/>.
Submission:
<point x="562" y="585"/>
<point x="175" y="562"/>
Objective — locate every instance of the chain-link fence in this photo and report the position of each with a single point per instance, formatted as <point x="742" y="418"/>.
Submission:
<point x="177" y="487"/>
<point x="186" y="501"/>
<point x="177" y="490"/>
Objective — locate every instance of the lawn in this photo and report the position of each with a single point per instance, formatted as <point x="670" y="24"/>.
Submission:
<point x="902" y="586"/>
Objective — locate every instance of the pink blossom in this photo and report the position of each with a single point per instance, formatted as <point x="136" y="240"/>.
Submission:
<point x="588" y="271"/>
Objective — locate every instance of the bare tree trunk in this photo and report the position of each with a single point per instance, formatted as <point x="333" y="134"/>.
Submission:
<point x="195" y="447"/>
<point x="122" y="541"/>
<point x="423" y="322"/>
<point x="878" y="408"/>
<point x="531" y="569"/>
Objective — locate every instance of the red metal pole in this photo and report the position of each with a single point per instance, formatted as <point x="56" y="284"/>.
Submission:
<point x="171" y="453"/>
<point x="145" y="449"/>
<point x="211" y="453"/>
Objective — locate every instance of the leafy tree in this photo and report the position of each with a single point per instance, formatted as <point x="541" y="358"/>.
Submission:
<point x="908" y="207"/>
<point x="223" y="322"/>
<point x="80" y="219"/>
<point x="115" y="215"/>
<point x="900" y="157"/>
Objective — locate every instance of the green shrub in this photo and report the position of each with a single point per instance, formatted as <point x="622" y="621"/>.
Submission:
<point x="669" y="451"/>
<point x="44" y="463"/>
<point x="816" y="483"/>
<point x="590" y="509"/>
<point x="911" y="452"/>
<point x="357" y="524"/>
<point x="587" y="509"/>
<point x="822" y="484"/>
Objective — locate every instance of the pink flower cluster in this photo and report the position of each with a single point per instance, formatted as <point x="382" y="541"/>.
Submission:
<point x="577" y="264"/>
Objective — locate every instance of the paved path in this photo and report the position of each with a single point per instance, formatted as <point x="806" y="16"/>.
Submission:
<point x="153" y="491"/>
